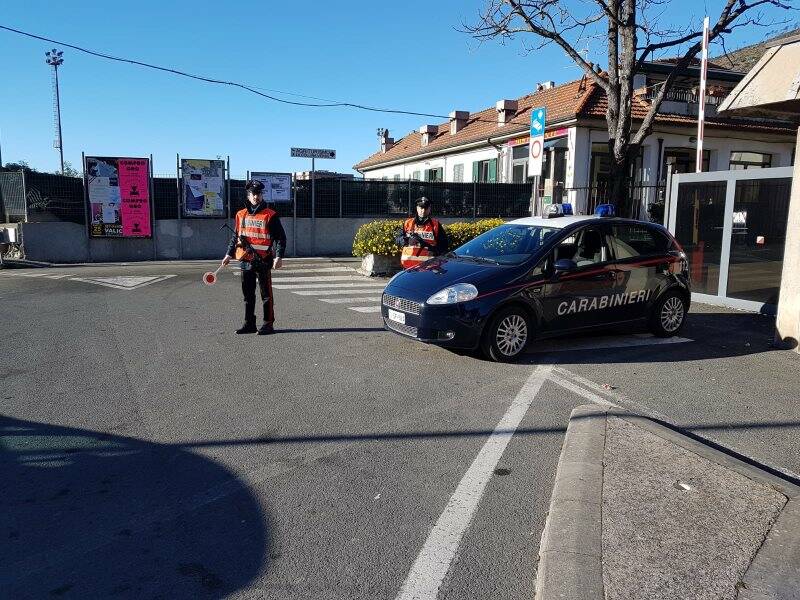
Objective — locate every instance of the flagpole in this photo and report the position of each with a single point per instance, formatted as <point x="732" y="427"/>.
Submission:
<point x="701" y="111"/>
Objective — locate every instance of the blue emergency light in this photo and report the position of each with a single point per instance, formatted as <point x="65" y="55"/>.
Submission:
<point x="604" y="210"/>
<point x="566" y="208"/>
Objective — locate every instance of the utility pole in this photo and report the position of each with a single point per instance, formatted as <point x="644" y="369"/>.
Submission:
<point x="54" y="60"/>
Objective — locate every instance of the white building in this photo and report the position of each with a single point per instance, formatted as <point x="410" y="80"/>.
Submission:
<point x="492" y="145"/>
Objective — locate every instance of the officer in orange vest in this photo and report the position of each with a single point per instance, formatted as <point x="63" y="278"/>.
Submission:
<point x="422" y="237"/>
<point x="258" y="245"/>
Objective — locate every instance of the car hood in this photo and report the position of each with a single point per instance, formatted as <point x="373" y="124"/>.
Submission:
<point x="421" y="282"/>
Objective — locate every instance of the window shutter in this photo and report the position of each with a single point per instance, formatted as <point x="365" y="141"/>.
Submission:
<point x="475" y="171"/>
<point x="493" y="171"/>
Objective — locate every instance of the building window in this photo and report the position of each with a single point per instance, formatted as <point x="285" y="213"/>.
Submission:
<point x="415" y="176"/>
<point x="683" y="160"/>
<point x="397" y="177"/>
<point x="485" y="171"/>
<point x="458" y="173"/>
<point x="519" y="164"/>
<point x="750" y="160"/>
<point x="434" y="174"/>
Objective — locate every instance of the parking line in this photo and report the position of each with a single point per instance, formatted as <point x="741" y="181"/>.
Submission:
<point x="433" y="563"/>
<point x="331" y="292"/>
<point x="353" y="299"/>
<point x="305" y="286"/>
<point x="366" y="309"/>
<point x="598" y="343"/>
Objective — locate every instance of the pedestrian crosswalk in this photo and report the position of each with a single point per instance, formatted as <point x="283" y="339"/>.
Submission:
<point x="340" y="286"/>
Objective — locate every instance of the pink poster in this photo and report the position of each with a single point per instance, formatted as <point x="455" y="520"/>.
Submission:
<point x="134" y="187"/>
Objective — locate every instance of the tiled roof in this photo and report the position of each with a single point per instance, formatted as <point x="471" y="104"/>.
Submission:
<point x="745" y="58"/>
<point x="563" y="102"/>
<point x="579" y="99"/>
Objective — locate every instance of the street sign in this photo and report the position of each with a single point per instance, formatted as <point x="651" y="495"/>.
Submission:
<point x="313" y="153"/>
<point x="536" y="147"/>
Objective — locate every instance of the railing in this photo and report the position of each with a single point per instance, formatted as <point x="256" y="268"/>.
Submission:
<point x="684" y="95"/>
<point x="640" y="197"/>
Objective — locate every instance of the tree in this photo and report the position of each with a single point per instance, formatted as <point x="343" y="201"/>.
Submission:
<point x="632" y="33"/>
<point x="20" y="165"/>
<point x="69" y="170"/>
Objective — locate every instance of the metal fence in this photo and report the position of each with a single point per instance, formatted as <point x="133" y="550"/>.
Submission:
<point x="380" y="198"/>
<point x="44" y="197"/>
<point x="640" y="197"/>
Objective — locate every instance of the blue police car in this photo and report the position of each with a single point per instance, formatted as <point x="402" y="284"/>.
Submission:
<point x="539" y="277"/>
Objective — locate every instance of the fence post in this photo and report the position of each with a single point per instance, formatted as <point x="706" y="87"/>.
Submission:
<point x="340" y="198"/>
<point x="474" y="199"/>
<point x="409" y="195"/>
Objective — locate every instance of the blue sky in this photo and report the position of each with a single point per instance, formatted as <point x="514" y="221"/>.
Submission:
<point x="405" y="55"/>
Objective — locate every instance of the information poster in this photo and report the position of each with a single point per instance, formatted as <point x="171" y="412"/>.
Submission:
<point x="203" y="187"/>
<point x="119" y="196"/>
<point x="277" y="186"/>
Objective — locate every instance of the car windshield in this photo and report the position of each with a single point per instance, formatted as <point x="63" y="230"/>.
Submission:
<point x="507" y="244"/>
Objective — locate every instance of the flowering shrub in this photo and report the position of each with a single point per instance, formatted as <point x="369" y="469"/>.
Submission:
<point x="378" y="237"/>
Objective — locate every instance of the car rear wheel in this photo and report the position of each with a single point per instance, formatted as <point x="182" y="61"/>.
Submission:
<point x="506" y="335"/>
<point x="669" y="315"/>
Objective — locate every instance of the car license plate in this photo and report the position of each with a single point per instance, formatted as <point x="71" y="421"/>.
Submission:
<point x="397" y="317"/>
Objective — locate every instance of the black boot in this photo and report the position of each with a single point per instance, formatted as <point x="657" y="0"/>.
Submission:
<point x="248" y="327"/>
<point x="266" y="329"/>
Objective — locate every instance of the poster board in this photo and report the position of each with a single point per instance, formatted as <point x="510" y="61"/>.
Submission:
<point x="277" y="186"/>
<point x="203" y="183"/>
<point x="118" y="193"/>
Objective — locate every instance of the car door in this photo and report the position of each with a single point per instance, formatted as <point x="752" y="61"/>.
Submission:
<point x="642" y="262"/>
<point x="578" y="298"/>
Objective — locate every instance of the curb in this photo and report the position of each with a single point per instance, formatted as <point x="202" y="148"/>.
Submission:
<point x="571" y="551"/>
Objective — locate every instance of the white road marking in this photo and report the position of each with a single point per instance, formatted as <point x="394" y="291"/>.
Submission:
<point x="366" y="309"/>
<point x="123" y="282"/>
<point x="596" y="343"/>
<point x="354" y="299"/>
<point x="332" y="292"/>
<point x="576" y="389"/>
<point x="433" y="563"/>
<point x="32" y="274"/>
<point x="305" y="286"/>
<point x="321" y="278"/>
<point x="310" y="269"/>
<point x="58" y="276"/>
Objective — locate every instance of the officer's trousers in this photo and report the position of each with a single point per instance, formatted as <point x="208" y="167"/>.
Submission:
<point x="263" y="275"/>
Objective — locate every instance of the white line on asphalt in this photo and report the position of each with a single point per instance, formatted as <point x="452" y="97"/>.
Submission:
<point x="366" y="309"/>
<point x="32" y="274"/>
<point x="58" y="276"/>
<point x="576" y="389"/>
<point x="321" y="278"/>
<point x="353" y="299"/>
<point x="439" y="551"/>
<point x="332" y="292"/>
<point x="596" y="343"/>
<point x="306" y="286"/>
<point x="310" y="269"/>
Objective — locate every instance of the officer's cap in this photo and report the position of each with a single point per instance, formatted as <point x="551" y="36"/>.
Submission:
<point x="254" y="186"/>
<point x="424" y="202"/>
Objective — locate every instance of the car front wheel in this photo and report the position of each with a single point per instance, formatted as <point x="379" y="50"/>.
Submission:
<point x="669" y="315"/>
<point x="506" y="335"/>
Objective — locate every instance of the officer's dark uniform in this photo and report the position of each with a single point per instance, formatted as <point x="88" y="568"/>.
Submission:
<point x="260" y="227"/>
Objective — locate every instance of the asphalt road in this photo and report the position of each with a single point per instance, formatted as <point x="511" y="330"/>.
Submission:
<point x="155" y="454"/>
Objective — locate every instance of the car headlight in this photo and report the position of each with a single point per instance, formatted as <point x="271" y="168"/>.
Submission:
<point x="461" y="292"/>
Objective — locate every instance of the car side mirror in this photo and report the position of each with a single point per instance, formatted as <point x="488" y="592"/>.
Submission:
<point x="565" y="265"/>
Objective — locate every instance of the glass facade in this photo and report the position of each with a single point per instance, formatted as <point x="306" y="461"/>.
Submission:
<point x="700" y="216"/>
<point x="760" y="214"/>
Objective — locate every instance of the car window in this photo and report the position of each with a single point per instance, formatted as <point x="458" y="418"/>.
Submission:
<point x="507" y="244"/>
<point x="630" y="241"/>
<point x="587" y="247"/>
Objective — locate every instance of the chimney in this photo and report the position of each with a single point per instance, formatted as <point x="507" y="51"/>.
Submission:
<point x="428" y="133"/>
<point x="506" y="109"/>
<point x="458" y="119"/>
<point x="386" y="141"/>
<point x="545" y="85"/>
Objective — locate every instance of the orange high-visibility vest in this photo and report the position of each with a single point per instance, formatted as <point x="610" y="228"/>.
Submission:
<point x="429" y="232"/>
<point x="254" y="228"/>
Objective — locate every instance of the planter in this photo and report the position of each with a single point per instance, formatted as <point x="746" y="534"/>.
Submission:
<point x="375" y="265"/>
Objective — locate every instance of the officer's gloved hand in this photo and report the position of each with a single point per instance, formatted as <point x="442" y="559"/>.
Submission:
<point x="415" y="239"/>
<point x="400" y="238"/>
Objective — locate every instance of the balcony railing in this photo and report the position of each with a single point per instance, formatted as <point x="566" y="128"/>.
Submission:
<point x="683" y="95"/>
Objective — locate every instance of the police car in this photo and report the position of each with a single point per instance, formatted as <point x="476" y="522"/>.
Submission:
<point x="540" y="277"/>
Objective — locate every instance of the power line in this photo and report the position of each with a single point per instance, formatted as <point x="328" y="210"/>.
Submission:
<point x="259" y="91"/>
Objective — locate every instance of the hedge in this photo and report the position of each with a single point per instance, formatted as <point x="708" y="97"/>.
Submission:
<point x="378" y="237"/>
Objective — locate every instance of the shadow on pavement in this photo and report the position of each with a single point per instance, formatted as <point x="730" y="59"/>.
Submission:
<point x="713" y="335"/>
<point x="91" y="515"/>
<point x="332" y="330"/>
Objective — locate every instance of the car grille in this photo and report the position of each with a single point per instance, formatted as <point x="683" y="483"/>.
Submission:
<point x="400" y="328"/>
<point x="408" y="306"/>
